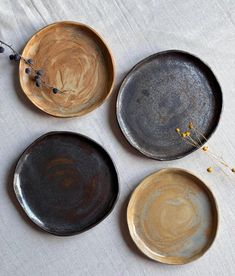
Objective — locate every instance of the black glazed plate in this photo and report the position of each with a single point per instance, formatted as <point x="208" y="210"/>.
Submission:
<point x="165" y="91"/>
<point x="66" y="183"/>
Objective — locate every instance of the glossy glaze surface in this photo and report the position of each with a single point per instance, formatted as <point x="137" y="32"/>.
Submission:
<point x="165" y="91"/>
<point x="66" y="183"/>
<point x="172" y="216"/>
<point x="74" y="59"/>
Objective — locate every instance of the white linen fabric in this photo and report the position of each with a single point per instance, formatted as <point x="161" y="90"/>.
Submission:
<point x="133" y="30"/>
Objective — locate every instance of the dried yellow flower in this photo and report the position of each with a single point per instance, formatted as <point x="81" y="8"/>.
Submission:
<point x="209" y="170"/>
<point x="190" y="125"/>
<point x="195" y="138"/>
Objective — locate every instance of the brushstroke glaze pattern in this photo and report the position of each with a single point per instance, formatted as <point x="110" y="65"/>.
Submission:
<point x="66" y="183"/>
<point x="172" y="216"/>
<point x="75" y="60"/>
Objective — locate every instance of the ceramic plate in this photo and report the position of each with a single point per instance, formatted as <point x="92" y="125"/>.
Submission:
<point x="66" y="183"/>
<point x="163" y="92"/>
<point x="76" y="60"/>
<point x="172" y="217"/>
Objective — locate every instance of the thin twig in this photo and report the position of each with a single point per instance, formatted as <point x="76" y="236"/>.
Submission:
<point x="26" y="61"/>
<point x="186" y="137"/>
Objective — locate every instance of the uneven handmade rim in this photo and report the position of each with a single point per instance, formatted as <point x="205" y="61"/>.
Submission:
<point x="152" y="255"/>
<point x="16" y="190"/>
<point x="119" y="104"/>
<point x="93" y="107"/>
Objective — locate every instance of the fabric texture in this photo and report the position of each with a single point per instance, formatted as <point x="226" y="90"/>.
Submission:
<point x="133" y="30"/>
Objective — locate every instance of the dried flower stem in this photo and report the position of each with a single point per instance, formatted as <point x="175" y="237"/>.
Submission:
<point x="222" y="169"/>
<point x="200" y="133"/>
<point x="197" y="143"/>
<point x="187" y="142"/>
<point x="37" y="77"/>
<point x="197" y="136"/>
<point x="9" y="46"/>
<point x="209" y="152"/>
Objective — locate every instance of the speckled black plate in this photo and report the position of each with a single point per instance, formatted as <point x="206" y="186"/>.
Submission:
<point x="66" y="183"/>
<point x="165" y="91"/>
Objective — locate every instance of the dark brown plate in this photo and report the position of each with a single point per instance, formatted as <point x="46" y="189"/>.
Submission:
<point x="163" y="92"/>
<point x="66" y="183"/>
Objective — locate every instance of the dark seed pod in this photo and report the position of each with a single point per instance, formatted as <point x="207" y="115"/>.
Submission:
<point x="17" y="57"/>
<point x="38" y="83"/>
<point x="12" y="57"/>
<point x="27" y="70"/>
<point x="39" y="72"/>
<point x="30" y="61"/>
<point x="55" y="90"/>
<point x="1" y="49"/>
<point x="37" y="77"/>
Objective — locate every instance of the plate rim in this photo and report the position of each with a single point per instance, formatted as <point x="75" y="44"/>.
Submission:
<point x="15" y="186"/>
<point x="204" y="186"/>
<point x="86" y="111"/>
<point x="119" y="103"/>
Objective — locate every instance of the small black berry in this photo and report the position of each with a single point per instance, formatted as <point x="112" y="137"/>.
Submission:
<point x="17" y="57"/>
<point x="55" y="90"/>
<point x="30" y="61"/>
<point x="39" y="72"/>
<point x="27" y="70"/>
<point x="38" y="83"/>
<point x="37" y="77"/>
<point x="1" y="49"/>
<point x="11" y="57"/>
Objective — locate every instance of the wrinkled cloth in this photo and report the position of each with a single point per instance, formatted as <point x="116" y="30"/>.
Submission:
<point x="133" y="30"/>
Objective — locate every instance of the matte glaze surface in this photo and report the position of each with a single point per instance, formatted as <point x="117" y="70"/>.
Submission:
<point x="74" y="59"/>
<point x="172" y="216"/>
<point x="165" y="91"/>
<point x="66" y="183"/>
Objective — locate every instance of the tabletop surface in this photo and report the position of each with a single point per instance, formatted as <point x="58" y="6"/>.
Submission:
<point x="133" y="29"/>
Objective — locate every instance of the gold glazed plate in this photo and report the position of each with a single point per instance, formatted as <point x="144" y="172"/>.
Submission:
<point x="74" y="59"/>
<point x="172" y="216"/>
